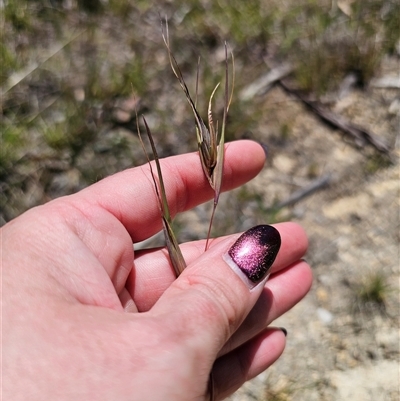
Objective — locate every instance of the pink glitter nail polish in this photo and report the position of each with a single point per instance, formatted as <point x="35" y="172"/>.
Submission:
<point x="255" y="251"/>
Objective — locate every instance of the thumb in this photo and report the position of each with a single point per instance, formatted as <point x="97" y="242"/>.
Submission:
<point x="214" y="294"/>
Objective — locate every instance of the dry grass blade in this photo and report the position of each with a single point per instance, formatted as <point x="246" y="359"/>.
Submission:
<point x="211" y="151"/>
<point x="175" y="254"/>
<point x="217" y="173"/>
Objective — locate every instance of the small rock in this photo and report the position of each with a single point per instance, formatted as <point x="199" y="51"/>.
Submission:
<point x="322" y="295"/>
<point x="394" y="107"/>
<point x="324" y="315"/>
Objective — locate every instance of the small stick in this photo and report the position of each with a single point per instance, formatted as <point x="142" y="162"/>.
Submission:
<point x="302" y="193"/>
<point x="360" y="134"/>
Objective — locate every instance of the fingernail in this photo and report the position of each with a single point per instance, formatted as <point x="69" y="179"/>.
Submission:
<point x="284" y="331"/>
<point x="254" y="252"/>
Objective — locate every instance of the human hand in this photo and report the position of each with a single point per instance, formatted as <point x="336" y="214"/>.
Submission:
<point x="70" y="275"/>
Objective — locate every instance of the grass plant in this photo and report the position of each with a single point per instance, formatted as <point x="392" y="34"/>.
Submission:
<point x="373" y="290"/>
<point x="376" y="162"/>
<point x="210" y="143"/>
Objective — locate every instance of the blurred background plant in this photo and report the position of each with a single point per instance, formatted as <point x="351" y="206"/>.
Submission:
<point x="73" y="71"/>
<point x="70" y="70"/>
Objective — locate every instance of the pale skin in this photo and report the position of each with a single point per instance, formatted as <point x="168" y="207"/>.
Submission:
<point x="86" y="318"/>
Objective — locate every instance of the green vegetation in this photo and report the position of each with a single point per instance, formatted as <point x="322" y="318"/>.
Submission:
<point x="11" y="142"/>
<point x="376" y="162"/>
<point x="373" y="290"/>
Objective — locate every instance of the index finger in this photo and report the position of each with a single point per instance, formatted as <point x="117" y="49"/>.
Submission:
<point x="131" y="198"/>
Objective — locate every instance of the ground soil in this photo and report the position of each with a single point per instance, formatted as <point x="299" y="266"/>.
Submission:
<point x="338" y="347"/>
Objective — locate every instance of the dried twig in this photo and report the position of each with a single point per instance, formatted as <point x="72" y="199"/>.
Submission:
<point x="263" y="84"/>
<point x="390" y="82"/>
<point x="360" y="134"/>
<point x="302" y="193"/>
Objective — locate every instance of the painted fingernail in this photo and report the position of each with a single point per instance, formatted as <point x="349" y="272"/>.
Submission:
<point x="255" y="251"/>
<point x="284" y="331"/>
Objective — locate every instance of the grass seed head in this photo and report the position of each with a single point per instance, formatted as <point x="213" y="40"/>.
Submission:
<point x="209" y="143"/>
